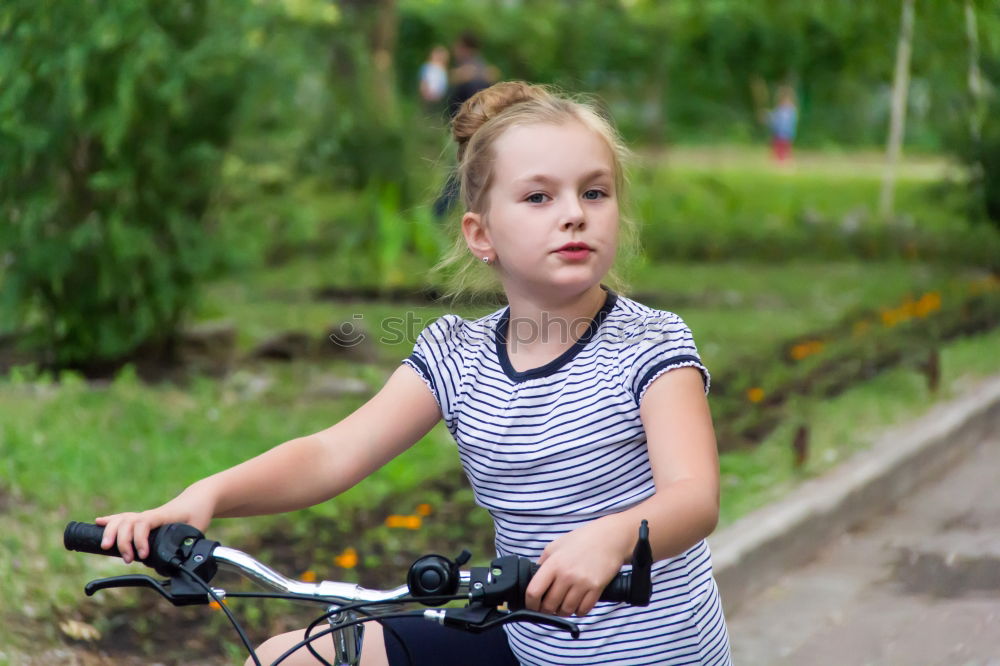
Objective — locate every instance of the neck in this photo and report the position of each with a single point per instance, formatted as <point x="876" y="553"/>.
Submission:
<point x="543" y="323"/>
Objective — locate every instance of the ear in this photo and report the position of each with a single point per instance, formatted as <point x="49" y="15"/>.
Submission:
<point x="477" y="236"/>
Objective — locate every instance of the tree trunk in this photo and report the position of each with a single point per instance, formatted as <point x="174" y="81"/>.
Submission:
<point x="900" y="90"/>
<point x="383" y="44"/>
<point x="975" y="78"/>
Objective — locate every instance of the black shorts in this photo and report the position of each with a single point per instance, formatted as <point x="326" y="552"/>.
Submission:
<point x="430" y="644"/>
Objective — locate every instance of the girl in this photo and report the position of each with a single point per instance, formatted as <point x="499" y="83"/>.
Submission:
<point x="578" y="412"/>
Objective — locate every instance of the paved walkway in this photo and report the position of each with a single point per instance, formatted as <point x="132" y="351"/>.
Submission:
<point x="920" y="585"/>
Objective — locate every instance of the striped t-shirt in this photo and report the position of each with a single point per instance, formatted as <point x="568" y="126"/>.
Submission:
<point x="549" y="449"/>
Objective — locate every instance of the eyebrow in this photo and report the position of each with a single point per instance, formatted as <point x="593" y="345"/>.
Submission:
<point x="542" y="178"/>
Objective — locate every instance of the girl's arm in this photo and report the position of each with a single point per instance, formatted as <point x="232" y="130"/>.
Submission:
<point x="683" y="510"/>
<point x="299" y="473"/>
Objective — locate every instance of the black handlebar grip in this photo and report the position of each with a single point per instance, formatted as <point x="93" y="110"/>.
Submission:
<point x="86" y="538"/>
<point x="619" y="589"/>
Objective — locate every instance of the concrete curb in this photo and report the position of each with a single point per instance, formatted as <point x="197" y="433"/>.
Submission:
<point x="754" y="552"/>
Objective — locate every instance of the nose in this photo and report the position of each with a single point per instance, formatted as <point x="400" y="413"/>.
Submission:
<point x="572" y="215"/>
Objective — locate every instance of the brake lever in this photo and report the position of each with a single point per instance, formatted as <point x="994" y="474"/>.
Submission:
<point x="535" y="618"/>
<point x="177" y="591"/>
<point x="130" y="580"/>
<point x="477" y="619"/>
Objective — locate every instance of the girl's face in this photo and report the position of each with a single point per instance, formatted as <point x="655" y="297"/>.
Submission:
<point x="553" y="186"/>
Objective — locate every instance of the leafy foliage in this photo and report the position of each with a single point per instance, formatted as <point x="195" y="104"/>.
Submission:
<point x="113" y="120"/>
<point x="683" y="70"/>
<point x="982" y="155"/>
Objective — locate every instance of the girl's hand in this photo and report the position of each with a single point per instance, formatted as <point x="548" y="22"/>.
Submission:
<point x="576" y="567"/>
<point x="130" y="528"/>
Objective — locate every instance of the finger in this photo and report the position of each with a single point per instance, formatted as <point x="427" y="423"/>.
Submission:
<point x="125" y="541"/>
<point x="102" y="520"/>
<point x="141" y="539"/>
<point x="553" y="599"/>
<point x="110" y="530"/>
<point x="588" y="603"/>
<point x="537" y="588"/>
<point x="571" y="601"/>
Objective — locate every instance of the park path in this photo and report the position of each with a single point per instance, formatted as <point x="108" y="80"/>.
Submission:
<point x="919" y="585"/>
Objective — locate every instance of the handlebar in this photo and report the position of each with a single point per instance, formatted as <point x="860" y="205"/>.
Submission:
<point x="177" y="545"/>
<point x="190" y="561"/>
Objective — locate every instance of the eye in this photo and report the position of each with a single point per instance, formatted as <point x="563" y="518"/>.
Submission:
<point x="594" y="195"/>
<point x="536" y="198"/>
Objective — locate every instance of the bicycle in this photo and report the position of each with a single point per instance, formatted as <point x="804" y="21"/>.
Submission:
<point x="494" y="594"/>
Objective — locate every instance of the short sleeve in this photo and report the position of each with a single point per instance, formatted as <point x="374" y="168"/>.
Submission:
<point x="659" y="343"/>
<point x="437" y="359"/>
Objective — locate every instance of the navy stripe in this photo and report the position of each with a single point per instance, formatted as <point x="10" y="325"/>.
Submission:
<point x="421" y="368"/>
<point x="676" y="361"/>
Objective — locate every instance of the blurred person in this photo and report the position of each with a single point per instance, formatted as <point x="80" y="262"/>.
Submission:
<point x="782" y="121"/>
<point x="470" y="75"/>
<point x="434" y="76"/>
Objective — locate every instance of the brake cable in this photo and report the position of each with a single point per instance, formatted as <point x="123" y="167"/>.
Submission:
<point x="232" y="618"/>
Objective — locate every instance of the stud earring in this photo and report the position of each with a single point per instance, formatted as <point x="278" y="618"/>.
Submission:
<point x="486" y="260"/>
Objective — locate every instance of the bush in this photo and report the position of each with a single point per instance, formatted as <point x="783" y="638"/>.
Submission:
<point x="983" y="156"/>
<point x="113" y="119"/>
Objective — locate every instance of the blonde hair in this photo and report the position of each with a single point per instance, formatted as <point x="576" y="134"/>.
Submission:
<point x="480" y="121"/>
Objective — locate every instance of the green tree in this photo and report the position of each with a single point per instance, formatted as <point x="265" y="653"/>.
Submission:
<point x="113" y="121"/>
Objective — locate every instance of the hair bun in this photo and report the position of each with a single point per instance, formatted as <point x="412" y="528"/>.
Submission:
<point x="489" y="103"/>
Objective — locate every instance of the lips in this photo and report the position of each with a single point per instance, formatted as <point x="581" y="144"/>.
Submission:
<point x="571" y="247"/>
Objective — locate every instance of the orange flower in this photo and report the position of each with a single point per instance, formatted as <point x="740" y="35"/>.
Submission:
<point x="806" y="349"/>
<point x="910" y="308"/>
<point x="406" y="522"/>
<point x="308" y="576"/>
<point x="424" y="509"/>
<point x="756" y="394"/>
<point x="928" y="303"/>
<point x="347" y="559"/>
<point x="889" y="318"/>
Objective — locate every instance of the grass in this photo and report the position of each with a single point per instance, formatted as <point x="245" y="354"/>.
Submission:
<point x="737" y="204"/>
<point x="70" y="451"/>
<point x="738" y="309"/>
<point x="831" y="163"/>
<point x="752" y="188"/>
<point x="128" y="444"/>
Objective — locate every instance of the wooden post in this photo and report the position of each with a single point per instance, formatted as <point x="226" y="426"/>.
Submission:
<point x="800" y="446"/>
<point x="932" y="370"/>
